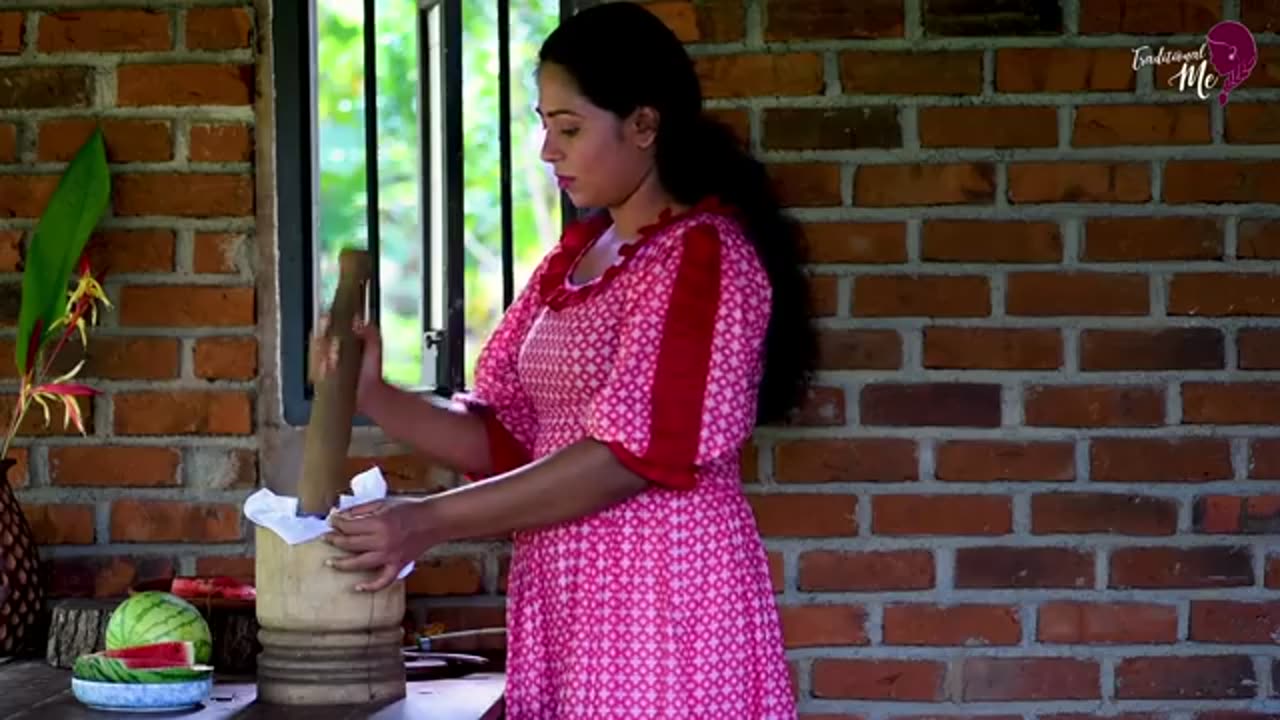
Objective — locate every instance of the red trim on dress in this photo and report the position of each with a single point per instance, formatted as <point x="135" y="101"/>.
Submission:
<point x="683" y="363"/>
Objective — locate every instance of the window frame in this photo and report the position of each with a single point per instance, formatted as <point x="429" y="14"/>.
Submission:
<point x="297" y="171"/>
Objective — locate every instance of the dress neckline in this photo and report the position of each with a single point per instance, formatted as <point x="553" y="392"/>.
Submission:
<point x="557" y="287"/>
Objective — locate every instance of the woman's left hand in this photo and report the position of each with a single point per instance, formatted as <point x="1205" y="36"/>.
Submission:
<point x="384" y="536"/>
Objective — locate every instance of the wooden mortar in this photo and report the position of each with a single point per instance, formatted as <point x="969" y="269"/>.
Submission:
<point x="323" y="643"/>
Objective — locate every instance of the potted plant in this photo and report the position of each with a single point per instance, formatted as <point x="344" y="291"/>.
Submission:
<point x="53" y="310"/>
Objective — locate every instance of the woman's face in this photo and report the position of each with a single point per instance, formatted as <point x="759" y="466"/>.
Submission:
<point x="599" y="159"/>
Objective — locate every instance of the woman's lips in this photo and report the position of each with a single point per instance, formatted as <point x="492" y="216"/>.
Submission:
<point x="564" y="181"/>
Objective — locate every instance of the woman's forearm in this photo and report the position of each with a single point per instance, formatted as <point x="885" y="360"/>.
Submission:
<point x="455" y="440"/>
<point x="579" y="480"/>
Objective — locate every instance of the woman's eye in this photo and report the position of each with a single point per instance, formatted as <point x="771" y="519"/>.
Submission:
<point x="569" y="132"/>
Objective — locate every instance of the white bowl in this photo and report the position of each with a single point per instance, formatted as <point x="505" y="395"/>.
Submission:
<point x="142" y="697"/>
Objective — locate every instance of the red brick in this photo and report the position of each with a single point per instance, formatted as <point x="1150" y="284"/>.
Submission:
<point x="186" y="306"/>
<point x="25" y="196"/>
<point x="862" y="571"/>
<point x="832" y="19"/>
<point x="1261" y="15"/>
<point x="104" y="577"/>
<point x="183" y="413"/>
<point x="150" y="521"/>
<point x="1079" y="182"/>
<point x="693" y="21"/>
<point x="1258" y="239"/>
<point x="806" y="184"/>
<point x="1049" y="294"/>
<point x="184" y="195"/>
<point x="1083" y="623"/>
<point x="1166" y="124"/>
<point x="105" y="31"/>
<point x="887" y="680"/>
<point x="60" y="524"/>
<point x="119" y="466"/>
<point x="126" y="140"/>
<point x="738" y="120"/>
<point x="132" y="251"/>
<point x="1273" y="572"/>
<point x="841" y="349"/>
<point x="1252" y="124"/>
<point x="978" y="348"/>
<point x="910" y="73"/>
<point x="1264" y="459"/>
<point x="217" y="253"/>
<point x="1148" y="17"/>
<point x="1021" y="568"/>
<point x="955" y="404"/>
<point x="184" y="84"/>
<point x="1231" y="403"/>
<point x="823" y="625"/>
<point x="12" y="27"/>
<point x="924" y="184"/>
<point x="1186" y="678"/>
<point x="1130" y="239"/>
<point x="1224" y="294"/>
<point x="221" y="143"/>
<point x="241" y="568"/>
<point x="1155" y="349"/>
<point x="966" y="625"/>
<point x="231" y="358"/>
<point x="921" y="295"/>
<point x="1159" y="460"/>
<point x="1225" y="621"/>
<point x="983" y="241"/>
<point x="924" y="515"/>
<point x="1102" y="513"/>
<point x="1004" y="461"/>
<point x="845" y="460"/>
<point x="861" y="243"/>
<point x="57" y="86"/>
<point x="1008" y="678"/>
<point x="34" y="424"/>
<point x="1234" y="515"/>
<point x="11" y="250"/>
<point x="8" y="143"/>
<point x="821" y="407"/>
<point x="805" y="515"/>
<point x="439" y="576"/>
<point x="1064" y="70"/>
<point x="124" y="358"/>
<point x="1221" y="181"/>
<point x="219" y="28"/>
<point x="824" y="291"/>
<point x="975" y="18"/>
<point x="989" y="127"/>
<point x="725" y="76"/>
<point x="1185" y="568"/>
<point x="831" y="128"/>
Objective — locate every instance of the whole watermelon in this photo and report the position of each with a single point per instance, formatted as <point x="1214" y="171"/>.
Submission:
<point x="155" y="616"/>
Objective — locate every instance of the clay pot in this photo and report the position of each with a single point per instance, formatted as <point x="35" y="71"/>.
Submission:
<point x="21" y="593"/>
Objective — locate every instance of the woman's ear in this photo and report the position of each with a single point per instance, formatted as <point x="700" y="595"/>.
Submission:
<point x="644" y="125"/>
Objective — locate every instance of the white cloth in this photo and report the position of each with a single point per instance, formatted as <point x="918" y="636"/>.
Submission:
<point x="279" y="513"/>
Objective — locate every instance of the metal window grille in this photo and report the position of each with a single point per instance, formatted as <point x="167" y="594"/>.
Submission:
<point x="440" y="111"/>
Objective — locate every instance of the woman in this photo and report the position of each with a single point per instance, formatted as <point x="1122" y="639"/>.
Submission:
<point x="612" y="403"/>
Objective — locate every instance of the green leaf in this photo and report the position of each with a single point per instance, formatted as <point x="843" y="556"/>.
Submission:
<point x="73" y="212"/>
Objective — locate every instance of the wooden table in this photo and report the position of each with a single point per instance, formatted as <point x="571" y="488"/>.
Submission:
<point x="32" y="690"/>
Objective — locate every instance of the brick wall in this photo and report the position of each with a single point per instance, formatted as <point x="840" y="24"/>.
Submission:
<point x="172" y="449"/>
<point x="1039" y="474"/>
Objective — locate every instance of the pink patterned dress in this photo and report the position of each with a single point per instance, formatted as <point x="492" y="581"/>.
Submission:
<point x="661" y="607"/>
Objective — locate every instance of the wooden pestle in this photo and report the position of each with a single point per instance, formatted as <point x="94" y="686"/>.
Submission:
<point x="328" y="433"/>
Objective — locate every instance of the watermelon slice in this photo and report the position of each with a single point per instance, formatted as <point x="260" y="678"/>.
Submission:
<point x="220" y="586"/>
<point x="156" y="655"/>
<point x="98" y="667"/>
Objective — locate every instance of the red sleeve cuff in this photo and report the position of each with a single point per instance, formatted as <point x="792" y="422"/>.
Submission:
<point x="506" y="453"/>
<point x="668" y="477"/>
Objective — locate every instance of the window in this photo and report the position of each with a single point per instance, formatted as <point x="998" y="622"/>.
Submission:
<point x="407" y="128"/>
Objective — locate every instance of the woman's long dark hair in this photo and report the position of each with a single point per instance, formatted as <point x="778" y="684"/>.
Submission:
<point x="622" y="57"/>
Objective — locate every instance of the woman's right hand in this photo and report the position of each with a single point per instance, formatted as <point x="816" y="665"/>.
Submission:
<point x="324" y="359"/>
